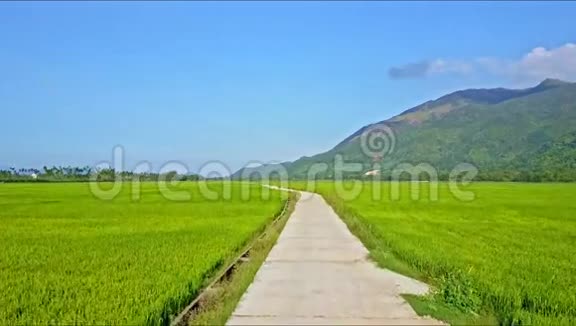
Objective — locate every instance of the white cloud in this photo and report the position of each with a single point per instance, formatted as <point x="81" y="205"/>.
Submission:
<point x="537" y="64"/>
<point x="541" y="63"/>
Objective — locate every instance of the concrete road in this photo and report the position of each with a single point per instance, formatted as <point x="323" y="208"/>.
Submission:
<point x="318" y="273"/>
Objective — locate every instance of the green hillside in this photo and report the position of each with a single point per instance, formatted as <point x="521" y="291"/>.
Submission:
<point x="526" y="134"/>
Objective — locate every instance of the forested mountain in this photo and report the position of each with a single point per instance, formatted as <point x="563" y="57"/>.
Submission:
<point x="508" y="134"/>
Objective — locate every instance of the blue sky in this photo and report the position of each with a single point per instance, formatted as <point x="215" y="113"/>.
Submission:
<point x="235" y="82"/>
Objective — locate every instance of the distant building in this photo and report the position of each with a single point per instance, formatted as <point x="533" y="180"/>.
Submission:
<point x="34" y="176"/>
<point x="372" y="173"/>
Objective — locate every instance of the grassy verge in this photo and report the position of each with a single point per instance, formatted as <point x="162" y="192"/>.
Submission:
<point x="221" y="299"/>
<point x="429" y="306"/>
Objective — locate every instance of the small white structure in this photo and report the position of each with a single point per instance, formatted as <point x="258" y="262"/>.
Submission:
<point x="372" y="173"/>
<point x="34" y="176"/>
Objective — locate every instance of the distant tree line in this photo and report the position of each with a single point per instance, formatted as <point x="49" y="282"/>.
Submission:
<point x="84" y="174"/>
<point x="497" y="175"/>
<point x="552" y="175"/>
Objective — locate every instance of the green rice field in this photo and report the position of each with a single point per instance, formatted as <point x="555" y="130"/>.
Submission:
<point x="69" y="258"/>
<point x="511" y="250"/>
